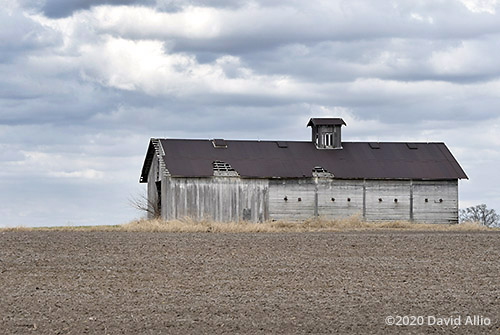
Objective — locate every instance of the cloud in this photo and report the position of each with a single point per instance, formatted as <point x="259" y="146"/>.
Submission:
<point x="482" y="6"/>
<point x="146" y="66"/>
<point x="65" y="8"/>
<point x="462" y="60"/>
<point x="85" y="174"/>
<point x="257" y="26"/>
<point x="20" y="34"/>
<point x="84" y="85"/>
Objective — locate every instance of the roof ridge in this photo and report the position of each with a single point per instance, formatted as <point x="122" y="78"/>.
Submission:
<point x="295" y="141"/>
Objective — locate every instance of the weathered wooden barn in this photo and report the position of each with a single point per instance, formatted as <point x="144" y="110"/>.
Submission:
<point x="271" y="180"/>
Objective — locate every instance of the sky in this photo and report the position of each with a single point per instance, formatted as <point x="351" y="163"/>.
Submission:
<point x="84" y="85"/>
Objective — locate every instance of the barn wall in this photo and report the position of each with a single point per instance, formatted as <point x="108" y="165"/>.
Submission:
<point x="153" y="177"/>
<point x="217" y="198"/>
<point x="292" y="208"/>
<point x="387" y="200"/>
<point x="166" y="205"/>
<point x="339" y="198"/>
<point x="328" y="198"/>
<point x="433" y="210"/>
<point x="257" y="200"/>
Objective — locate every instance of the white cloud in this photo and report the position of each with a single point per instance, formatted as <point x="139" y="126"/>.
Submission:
<point x="192" y="22"/>
<point x="481" y="6"/>
<point x="85" y="174"/>
<point x="418" y="17"/>
<point x="467" y="58"/>
<point x="146" y="66"/>
<point x="55" y="165"/>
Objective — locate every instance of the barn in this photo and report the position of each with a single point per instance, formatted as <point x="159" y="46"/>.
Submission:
<point x="235" y="180"/>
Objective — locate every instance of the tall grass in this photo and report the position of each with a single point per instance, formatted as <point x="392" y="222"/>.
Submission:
<point x="353" y="223"/>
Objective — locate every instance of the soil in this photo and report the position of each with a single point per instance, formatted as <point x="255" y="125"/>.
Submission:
<point x="71" y="282"/>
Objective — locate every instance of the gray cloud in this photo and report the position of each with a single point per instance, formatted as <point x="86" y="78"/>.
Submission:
<point x="65" y="8"/>
<point x="84" y="86"/>
<point x="390" y="59"/>
<point x="19" y="34"/>
<point x="247" y="29"/>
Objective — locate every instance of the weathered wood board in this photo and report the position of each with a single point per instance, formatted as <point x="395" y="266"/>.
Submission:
<point x="257" y="200"/>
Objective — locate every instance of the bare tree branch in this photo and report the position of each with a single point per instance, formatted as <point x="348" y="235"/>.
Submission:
<point x="481" y="214"/>
<point x="143" y="204"/>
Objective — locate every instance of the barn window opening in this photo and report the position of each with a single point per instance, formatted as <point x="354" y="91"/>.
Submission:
<point x="328" y="139"/>
<point x="221" y="168"/>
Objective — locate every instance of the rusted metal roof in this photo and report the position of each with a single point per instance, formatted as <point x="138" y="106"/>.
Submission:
<point x="266" y="159"/>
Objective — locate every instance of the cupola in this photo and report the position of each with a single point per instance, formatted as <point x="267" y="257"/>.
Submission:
<point x="326" y="132"/>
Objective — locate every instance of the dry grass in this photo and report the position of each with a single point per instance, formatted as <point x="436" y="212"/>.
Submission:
<point x="354" y="223"/>
<point x="311" y="225"/>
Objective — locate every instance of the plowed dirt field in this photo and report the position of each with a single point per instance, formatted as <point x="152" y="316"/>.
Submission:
<point x="84" y="282"/>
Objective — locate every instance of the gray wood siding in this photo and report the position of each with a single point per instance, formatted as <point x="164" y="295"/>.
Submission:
<point x="435" y="211"/>
<point x="387" y="209"/>
<point x="257" y="200"/>
<point x="341" y="191"/>
<point x="218" y="198"/>
<point x="292" y="189"/>
<point x="166" y="206"/>
<point x="152" y="193"/>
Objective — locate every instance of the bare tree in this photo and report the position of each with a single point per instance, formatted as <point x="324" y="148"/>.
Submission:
<point x="482" y="214"/>
<point x="143" y="204"/>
